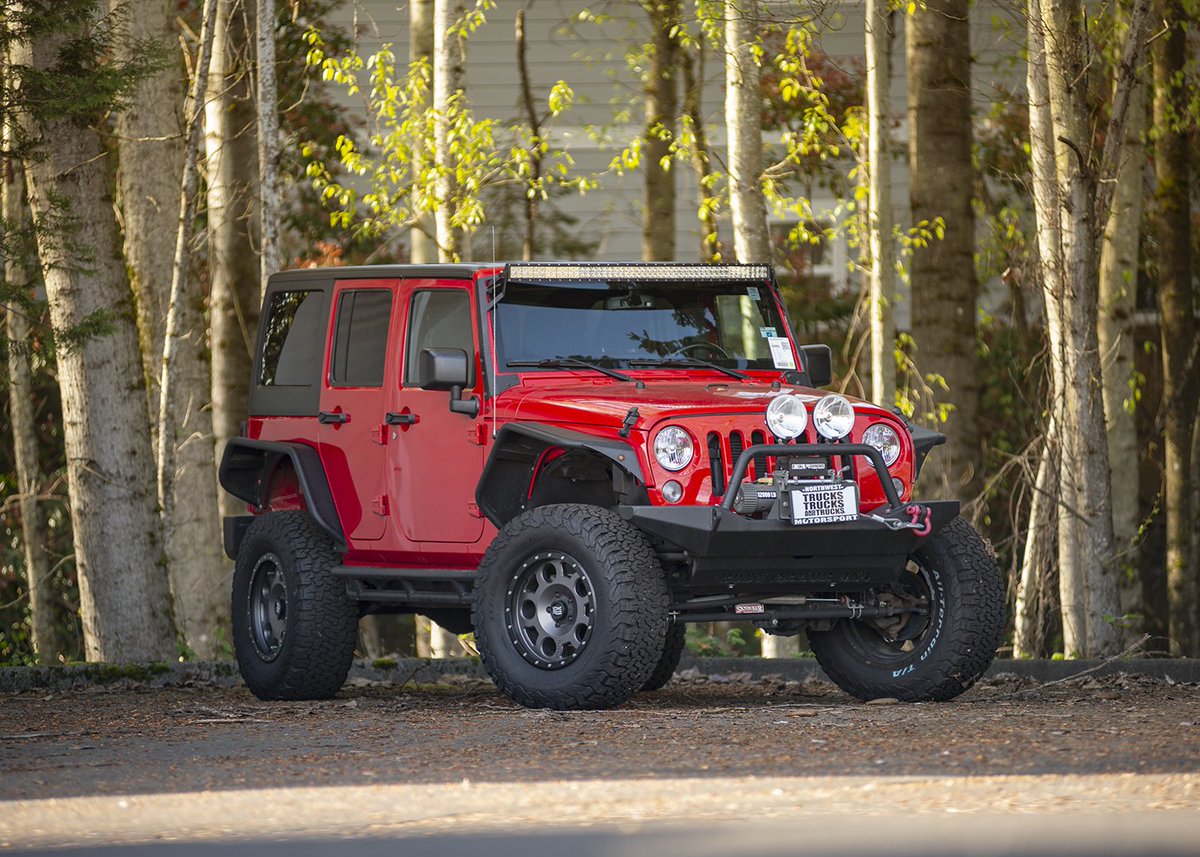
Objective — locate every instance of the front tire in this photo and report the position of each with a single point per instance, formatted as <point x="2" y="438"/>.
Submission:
<point x="931" y="658"/>
<point x="294" y="625"/>
<point x="668" y="661"/>
<point x="570" y="609"/>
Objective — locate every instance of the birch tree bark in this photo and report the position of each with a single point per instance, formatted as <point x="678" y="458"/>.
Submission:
<point x="743" y="123"/>
<point x="44" y="615"/>
<point x="879" y="205"/>
<point x="942" y="183"/>
<point x="150" y="166"/>
<point x="1178" y="325"/>
<point x="1039" y="553"/>
<point x="124" y="598"/>
<point x="422" y="247"/>
<point x="271" y="255"/>
<point x="231" y="155"/>
<point x="661" y="86"/>
<point x="447" y="83"/>
<point x="1118" y="292"/>
<point x="693" y="73"/>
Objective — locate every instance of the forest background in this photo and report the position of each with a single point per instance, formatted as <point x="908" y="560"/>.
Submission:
<point x="162" y="157"/>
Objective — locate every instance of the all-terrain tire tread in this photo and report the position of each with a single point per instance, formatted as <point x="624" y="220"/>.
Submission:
<point x="671" y="655"/>
<point x="970" y="642"/>
<point x="320" y="644"/>
<point x="629" y="570"/>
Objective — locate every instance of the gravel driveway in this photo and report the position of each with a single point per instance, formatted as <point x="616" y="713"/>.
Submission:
<point x="123" y="764"/>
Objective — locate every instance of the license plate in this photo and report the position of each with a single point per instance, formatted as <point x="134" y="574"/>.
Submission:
<point x="824" y="503"/>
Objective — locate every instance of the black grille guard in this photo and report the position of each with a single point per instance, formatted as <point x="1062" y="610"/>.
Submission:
<point x="779" y="450"/>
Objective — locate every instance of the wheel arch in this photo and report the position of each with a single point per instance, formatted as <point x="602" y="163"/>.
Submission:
<point x="522" y="451"/>
<point x="248" y="468"/>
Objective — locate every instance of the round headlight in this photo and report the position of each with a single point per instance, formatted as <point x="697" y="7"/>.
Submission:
<point x="787" y="416"/>
<point x="833" y="416"/>
<point x="885" y="439"/>
<point x="673" y="448"/>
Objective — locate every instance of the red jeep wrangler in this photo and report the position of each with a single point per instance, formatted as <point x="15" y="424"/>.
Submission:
<point x="573" y="460"/>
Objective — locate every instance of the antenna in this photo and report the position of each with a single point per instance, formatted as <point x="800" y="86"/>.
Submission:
<point x="494" y="307"/>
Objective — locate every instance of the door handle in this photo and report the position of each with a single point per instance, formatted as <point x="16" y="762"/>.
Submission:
<point x="394" y="419"/>
<point x="332" y="417"/>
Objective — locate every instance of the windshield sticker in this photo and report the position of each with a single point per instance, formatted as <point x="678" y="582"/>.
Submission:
<point x="752" y="293"/>
<point x="767" y="332"/>
<point x="781" y="352"/>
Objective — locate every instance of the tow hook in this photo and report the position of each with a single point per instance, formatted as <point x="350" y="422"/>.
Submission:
<point x="919" y="519"/>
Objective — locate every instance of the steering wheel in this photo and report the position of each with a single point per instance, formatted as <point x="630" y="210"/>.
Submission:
<point x="710" y="346"/>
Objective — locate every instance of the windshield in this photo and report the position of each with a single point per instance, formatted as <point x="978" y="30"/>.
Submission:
<point x="624" y="324"/>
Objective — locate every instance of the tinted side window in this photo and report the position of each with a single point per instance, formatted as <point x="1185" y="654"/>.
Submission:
<point x="360" y="339"/>
<point x="292" y="344"/>
<point x="438" y="319"/>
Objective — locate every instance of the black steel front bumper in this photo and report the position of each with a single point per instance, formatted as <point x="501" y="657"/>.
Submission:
<point x="727" y="552"/>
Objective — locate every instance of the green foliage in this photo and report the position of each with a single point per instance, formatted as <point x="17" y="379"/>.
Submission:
<point x="394" y="172"/>
<point x="706" y="641"/>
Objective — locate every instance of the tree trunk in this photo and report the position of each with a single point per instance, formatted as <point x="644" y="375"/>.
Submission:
<point x="44" y="614"/>
<point x="661" y="86"/>
<point x="879" y="206"/>
<point x="422" y="248"/>
<point x="271" y="255"/>
<point x="743" y="122"/>
<point x="1118" y="292"/>
<point x="1050" y="256"/>
<point x="1039" y="553"/>
<point x="447" y="77"/>
<point x="942" y="183"/>
<point x="1178" y="325"/>
<point x="1090" y="518"/>
<point x="231" y="156"/>
<point x="150" y="149"/>
<point x="124" y="599"/>
<point x="531" y="195"/>
<point x="710" y="242"/>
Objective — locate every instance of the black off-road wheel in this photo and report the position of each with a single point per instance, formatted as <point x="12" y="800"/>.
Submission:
<point x="934" y="655"/>
<point x="570" y="609"/>
<point x="294" y="626"/>
<point x="671" y="655"/>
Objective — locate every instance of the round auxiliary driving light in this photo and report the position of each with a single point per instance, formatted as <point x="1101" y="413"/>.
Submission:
<point x="672" y="491"/>
<point x="787" y="417"/>
<point x="884" y="438"/>
<point x="673" y="448"/>
<point x="833" y="416"/>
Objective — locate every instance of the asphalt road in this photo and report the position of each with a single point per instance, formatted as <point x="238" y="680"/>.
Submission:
<point x="1095" y="766"/>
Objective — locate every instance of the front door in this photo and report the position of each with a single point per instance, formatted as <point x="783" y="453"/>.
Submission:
<point x="438" y="455"/>
<point x="352" y="435"/>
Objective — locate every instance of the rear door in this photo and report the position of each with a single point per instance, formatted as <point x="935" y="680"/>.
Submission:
<point x="352" y="436"/>
<point x="437" y="455"/>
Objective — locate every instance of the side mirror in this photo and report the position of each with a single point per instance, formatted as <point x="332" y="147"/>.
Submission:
<point x="444" y="368"/>
<point x="449" y="369"/>
<point x="818" y="362"/>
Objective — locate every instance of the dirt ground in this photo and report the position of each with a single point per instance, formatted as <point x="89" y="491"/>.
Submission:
<point x="696" y="750"/>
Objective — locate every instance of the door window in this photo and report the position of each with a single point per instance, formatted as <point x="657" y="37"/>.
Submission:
<point x="360" y="338"/>
<point x="439" y="318"/>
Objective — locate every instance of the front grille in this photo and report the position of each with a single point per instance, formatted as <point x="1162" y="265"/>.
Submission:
<point x="723" y="453"/>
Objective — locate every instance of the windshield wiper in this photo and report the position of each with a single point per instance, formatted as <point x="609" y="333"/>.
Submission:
<point x="690" y="361"/>
<point x="561" y="362"/>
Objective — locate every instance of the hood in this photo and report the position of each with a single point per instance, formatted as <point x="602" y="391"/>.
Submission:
<point x="605" y="401"/>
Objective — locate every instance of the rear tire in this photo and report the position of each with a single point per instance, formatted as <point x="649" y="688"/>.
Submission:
<point x="570" y="609"/>
<point x="294" y="625"/>
<point x="671" y="655"/>
<point x="933" y="658"/>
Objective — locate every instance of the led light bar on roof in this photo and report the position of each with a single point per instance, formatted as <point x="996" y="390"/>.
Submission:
<point x="584" y="271"/>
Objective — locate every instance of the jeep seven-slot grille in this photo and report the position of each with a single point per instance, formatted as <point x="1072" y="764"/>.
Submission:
<point x="724" y="451"/>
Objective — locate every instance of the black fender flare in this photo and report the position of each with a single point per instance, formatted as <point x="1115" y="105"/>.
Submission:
<point x="518" y="448"/>
<point x="246" y="469"/>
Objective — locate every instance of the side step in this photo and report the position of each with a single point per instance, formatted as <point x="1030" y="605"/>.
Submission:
<point x="426" y="587"/>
